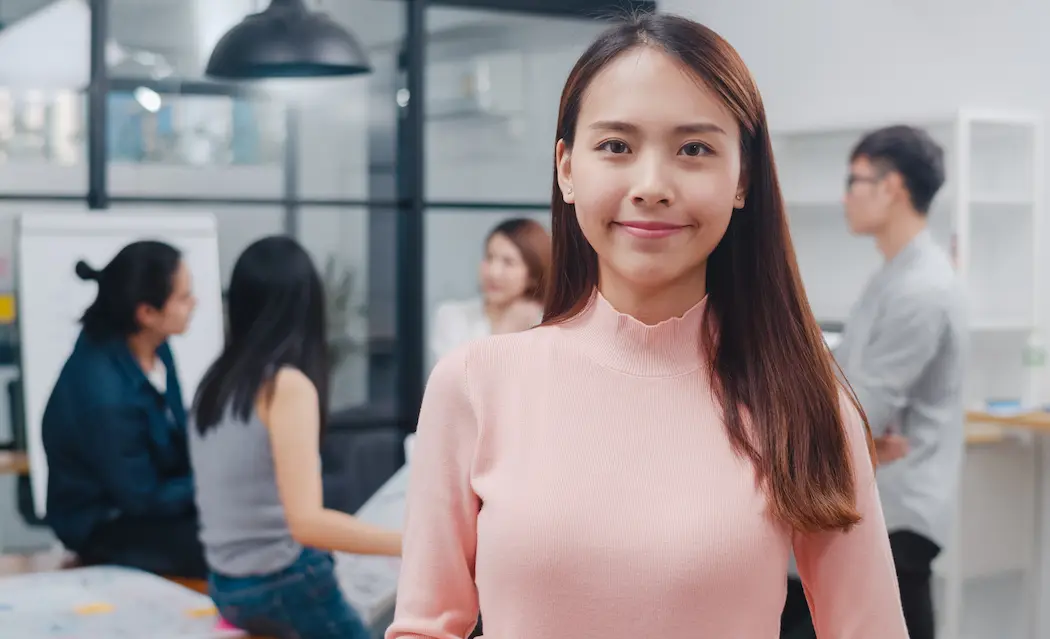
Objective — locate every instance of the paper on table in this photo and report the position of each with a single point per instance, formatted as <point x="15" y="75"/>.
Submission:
<point x="370" y="582"/>
<point x="104" y="601"/>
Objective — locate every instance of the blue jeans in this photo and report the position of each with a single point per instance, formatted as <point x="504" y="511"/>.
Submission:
<point x="303" y="601"/>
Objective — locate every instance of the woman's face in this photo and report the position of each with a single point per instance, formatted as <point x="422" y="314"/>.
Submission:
<point x="654" y="171"/>
<point x="174" y="317"/>
<point x="504" y="274"/>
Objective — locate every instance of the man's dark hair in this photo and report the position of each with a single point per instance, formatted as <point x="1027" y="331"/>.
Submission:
<point x="912" y="153"/>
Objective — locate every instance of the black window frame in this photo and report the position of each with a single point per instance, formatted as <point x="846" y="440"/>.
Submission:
<point x="396" y="223"/>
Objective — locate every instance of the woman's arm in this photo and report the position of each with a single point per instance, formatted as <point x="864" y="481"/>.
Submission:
<point x="293" y="419"/>
<point x="849" y="577"/>
<point x="436" y="597"/>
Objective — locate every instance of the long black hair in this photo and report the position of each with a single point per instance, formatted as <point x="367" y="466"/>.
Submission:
<point x="276" y="306"/>
<point x="141" y="273"/>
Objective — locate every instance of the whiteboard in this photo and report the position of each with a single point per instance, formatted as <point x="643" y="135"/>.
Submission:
<point x="51" y="299"/>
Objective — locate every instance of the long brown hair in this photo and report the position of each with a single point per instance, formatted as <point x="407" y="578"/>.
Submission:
<point x="772" y="372"/>
<point x="534" y="243"/>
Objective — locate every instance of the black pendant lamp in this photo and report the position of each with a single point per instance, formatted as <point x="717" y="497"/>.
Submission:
<point x="287" y="41"/>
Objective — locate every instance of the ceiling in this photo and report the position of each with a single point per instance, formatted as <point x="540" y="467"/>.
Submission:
<point x="169" y="27"/>
<point x="183" y="32"/>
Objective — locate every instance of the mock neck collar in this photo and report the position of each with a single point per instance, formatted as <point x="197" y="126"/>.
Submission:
<point x="619" y="341"/>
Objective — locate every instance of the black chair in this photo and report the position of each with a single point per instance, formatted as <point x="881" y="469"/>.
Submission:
<point x="359" y="453"/>
<point x="23" y="487"/>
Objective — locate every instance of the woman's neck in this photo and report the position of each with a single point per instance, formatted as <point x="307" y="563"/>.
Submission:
<point x="495" y="312"/>
<point x="143" y="346"/>
<point x="623" y="342"/>
<point x="652" y="306"/>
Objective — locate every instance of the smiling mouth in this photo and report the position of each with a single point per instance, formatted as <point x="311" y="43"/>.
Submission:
<point x="650" y="230"/>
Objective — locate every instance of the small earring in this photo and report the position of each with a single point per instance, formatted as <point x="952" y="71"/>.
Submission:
<point x="568" y="191"/>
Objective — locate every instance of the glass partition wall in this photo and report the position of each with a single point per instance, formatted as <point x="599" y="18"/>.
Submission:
<point x="390" y="180"/>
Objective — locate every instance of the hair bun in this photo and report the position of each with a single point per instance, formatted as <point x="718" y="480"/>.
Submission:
<point x="85" y="272"/>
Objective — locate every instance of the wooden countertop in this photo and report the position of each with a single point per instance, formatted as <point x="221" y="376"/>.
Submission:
<point x="1038" y="421"/>
<point x="45" y="561"/>
<point x="13" y="463"/>
<point x="988" y="428"/>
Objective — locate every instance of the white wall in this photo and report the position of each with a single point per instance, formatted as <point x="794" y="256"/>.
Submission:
<point x="822" y="61"/>
<point x="817" y="59"/>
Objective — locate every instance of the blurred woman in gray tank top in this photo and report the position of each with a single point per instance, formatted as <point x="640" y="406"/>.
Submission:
<point x="254" y="445"/>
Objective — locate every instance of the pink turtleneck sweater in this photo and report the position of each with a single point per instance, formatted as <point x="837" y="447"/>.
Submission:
<point x="577" y="481"/>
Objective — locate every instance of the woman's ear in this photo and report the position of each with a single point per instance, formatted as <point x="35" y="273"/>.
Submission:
<point x="563" y="164"/>
<point x="741" y="192"/>
<point x="146" y="316"/>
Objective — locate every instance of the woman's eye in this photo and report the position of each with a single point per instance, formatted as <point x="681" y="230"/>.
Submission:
<point x="696" y="149"/>
<point x="614" y="146"/>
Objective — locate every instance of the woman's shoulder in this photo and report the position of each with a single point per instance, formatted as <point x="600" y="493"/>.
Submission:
<point x="288" y="386"/>
<point x="492" y="357"/>
<point x="93" y="358"/>
<point x="290" y="382"/>
<point x="91" y="376"/>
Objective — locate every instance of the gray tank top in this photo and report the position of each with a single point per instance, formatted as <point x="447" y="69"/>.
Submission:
<point x="243" y="526"/>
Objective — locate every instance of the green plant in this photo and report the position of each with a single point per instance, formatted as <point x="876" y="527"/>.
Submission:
<point x="343" y="313"/>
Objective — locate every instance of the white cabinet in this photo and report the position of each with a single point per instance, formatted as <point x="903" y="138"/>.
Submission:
<point x="988" y="214"/>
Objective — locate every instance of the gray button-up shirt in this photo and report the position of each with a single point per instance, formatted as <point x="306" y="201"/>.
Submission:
<point x="904" y="353"/>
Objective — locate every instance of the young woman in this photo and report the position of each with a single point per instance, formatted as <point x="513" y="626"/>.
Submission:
<point x="513" y="275"/>
<point x="254" y="441"/>
<point x="119" y="487"/>
<point x="644" y="463"/>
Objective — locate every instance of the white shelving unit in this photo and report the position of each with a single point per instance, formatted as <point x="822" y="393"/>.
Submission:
<point x="989" y="216"/>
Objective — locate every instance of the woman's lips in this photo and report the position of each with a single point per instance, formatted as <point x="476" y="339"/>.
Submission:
<point x="650" y="230"/>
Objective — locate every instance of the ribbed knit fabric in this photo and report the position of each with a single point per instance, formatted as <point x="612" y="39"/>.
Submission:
<point x="577" y="480"/>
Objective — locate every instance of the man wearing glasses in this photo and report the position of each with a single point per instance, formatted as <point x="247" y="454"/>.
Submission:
<point x="904" y="353"/>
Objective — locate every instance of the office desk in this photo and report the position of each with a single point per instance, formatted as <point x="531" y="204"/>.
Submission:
<point x="200" y="586"/>
<point x="1035" y="422"/>
<point x="55" y="560"/>
<point x="13" y="463"/>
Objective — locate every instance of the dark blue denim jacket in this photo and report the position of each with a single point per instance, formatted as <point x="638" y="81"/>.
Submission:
<point x="115" y="445"/>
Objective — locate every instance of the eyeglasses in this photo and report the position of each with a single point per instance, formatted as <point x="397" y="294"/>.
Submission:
<point x="863" y="179"/>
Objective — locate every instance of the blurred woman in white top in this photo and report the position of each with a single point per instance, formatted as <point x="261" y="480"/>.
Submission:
<point x="513" y="277"/>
